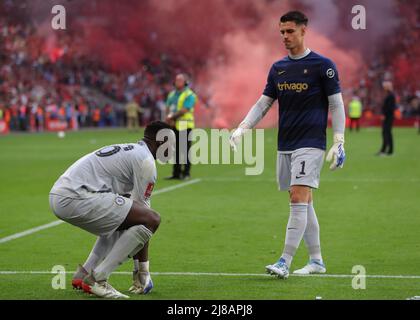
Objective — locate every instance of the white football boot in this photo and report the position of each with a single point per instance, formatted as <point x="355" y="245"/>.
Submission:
<point x="313" y="267"/>
<point x="142" y="283"/>
<point x="279" y="269"/>
<point x="101" y="289"/>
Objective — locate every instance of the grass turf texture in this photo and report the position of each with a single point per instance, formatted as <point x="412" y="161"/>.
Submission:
<point x="228" y="222"/>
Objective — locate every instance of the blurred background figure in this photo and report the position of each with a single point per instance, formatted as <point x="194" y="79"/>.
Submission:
<point x="388" y="110"/>
<point x="133" y="110"/>
<point x="355" y="112"/>
<point x="180" y="104"/>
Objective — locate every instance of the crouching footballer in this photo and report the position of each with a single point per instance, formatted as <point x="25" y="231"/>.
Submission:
<point x="107" y="193"/>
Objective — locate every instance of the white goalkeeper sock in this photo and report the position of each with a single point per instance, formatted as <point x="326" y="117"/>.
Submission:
<point x="129" y="243"/>
<point x="295" y="229"/>
<point x="311" y="235"/>
<point x="100" y="250"/>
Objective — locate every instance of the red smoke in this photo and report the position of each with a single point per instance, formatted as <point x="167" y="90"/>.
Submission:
<point x="228" y="45"/>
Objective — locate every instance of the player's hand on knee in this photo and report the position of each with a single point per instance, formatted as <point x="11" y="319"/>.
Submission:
<point x="337" y="154"/>
<point x="235" y="138"/>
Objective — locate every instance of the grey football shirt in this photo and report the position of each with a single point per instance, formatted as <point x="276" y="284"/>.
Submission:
<point x="121" y="168"/>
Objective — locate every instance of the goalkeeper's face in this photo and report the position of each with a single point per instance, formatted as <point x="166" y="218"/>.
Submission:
<point x="292" y="34"/>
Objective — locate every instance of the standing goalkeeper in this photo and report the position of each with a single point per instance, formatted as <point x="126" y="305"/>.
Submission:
<point x="306" y="86"/>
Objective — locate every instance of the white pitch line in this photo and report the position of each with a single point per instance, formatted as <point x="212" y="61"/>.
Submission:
<point x="224" y="274"/>
<point x="177" y="186"/>
<point x="58" y="222"/>
<point x="352" y="180"/>
<point x="30" y="231"/>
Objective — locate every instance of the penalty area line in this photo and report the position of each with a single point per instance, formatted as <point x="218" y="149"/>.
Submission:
<point x="58" y="222"/>
<point x="225" y="274"/>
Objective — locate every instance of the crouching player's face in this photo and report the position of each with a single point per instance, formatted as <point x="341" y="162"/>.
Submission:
<point x="292" y="34"/>
<point x="166" y="141"/>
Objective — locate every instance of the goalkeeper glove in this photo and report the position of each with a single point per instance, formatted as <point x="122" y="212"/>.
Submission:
<point x="336" y="153"/>
<point x="236" y="137"/>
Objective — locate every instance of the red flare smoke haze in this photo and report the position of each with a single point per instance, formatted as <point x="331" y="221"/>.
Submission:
<point x="228" y="45"/>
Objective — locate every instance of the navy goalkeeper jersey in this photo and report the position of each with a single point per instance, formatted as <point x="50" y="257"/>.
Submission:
<point x="302" y="87"/>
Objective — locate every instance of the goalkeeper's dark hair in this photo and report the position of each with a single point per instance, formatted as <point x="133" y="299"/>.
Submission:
<point x="153" y="128"/>
<point x="295" y="16"/>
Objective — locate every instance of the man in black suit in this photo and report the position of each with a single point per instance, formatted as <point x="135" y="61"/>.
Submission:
<point x="388" y="109"/>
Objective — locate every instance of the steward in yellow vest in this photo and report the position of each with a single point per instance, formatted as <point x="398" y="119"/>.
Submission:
<point x="180" y="106"/>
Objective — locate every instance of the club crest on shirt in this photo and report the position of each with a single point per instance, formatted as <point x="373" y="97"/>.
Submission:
<point x="149" y="189"/>
<point x="119" y="200"/>
<point x="330" y="73"/>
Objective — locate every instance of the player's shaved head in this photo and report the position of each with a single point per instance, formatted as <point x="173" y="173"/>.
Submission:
<point x="160" y="134"/>
<point x="153" y="128"/>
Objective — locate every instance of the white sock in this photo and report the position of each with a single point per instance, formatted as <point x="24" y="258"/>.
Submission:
<point x="136" y="265"/>
<point x="311" y="235"/>
<point x="100" y="250"/>
<point x="295" y="229"/>
<point x="144" y="266"/>
<point x="130" y="242"/>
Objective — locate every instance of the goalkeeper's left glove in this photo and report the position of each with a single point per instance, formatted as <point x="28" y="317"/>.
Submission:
<point x="337" y="153"/>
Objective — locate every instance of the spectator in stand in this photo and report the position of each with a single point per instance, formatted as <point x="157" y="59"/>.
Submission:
<point x="96" y="116"/>
<point x="132" y="111"/>
<point x="109" y="115"/>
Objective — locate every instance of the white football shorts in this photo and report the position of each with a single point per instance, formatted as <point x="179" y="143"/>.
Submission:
<point x="301" y="167"/>
<point x="98" y="213"/>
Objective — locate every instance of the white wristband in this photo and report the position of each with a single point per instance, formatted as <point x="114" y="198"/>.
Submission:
<point x="338" y="138"/>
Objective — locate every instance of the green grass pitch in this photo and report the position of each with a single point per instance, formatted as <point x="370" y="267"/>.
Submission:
<point x="226" y="223"/>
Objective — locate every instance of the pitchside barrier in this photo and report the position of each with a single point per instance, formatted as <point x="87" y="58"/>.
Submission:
<point x="56" y="125"/>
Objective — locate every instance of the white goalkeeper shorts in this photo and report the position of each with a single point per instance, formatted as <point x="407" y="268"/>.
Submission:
<point x="300" y="167"/>
<point x="98" y="213"/>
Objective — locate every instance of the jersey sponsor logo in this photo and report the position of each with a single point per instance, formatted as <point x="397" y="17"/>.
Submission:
<point x="149" y="189"/>
<point x="294" y="86"/>
<point x="330" y="73"/>
<point x="119" y="200"/>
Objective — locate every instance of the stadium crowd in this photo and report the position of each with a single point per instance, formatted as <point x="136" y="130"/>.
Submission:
<point x="396" y="63"/>
<point x="41" y="83"/>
